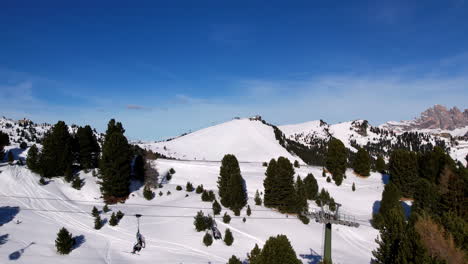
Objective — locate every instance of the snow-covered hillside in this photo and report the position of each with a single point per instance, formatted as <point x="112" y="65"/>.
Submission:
<point x="249" y="140"/>
<point x="361" y="133"/>
<point x="167" y="220"/>
<point x="23" y="130"/>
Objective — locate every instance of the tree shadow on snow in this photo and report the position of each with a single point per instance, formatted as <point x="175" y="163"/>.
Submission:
<point x="406" y="209"/>
<point x="7" y="214"/>
<point x="385" y="178"/>
<point x="135" y="185"/>
<point x="3" y="239"/>
<point x="16" y="153"/>
<point x="17" y="254"/>
<point x="78" y="241"/>
<point x="376" y="207"/>
<point x="312" y="258"/>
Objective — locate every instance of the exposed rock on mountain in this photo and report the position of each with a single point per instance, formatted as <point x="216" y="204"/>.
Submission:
<point x="437" y="118"/>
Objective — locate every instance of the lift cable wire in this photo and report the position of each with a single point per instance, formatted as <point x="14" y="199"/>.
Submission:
<point x="122" y="204"/>
<point x="151" y="215"/>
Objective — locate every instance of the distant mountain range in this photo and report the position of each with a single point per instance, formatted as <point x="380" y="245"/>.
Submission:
<point x="436" y="120"/>
<point x="255" y="140"/>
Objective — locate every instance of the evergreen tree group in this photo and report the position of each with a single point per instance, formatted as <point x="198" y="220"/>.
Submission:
<point x="231" y="185"/>
<point x="436" y="229"/>
<point x="403" y="168"/>
<point x="277" y="250"/>
<point x="336" y="160"/>
<point x="362" y="162"/>
<point x="115" y="163"/>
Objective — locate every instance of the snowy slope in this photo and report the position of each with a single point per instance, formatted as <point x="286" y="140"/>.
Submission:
<point x="346" y="132"/>
<point x="249" y="140"/>
<point x="167" y="221"/>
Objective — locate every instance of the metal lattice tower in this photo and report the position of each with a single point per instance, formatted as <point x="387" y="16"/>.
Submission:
<point x="328" y="218"/>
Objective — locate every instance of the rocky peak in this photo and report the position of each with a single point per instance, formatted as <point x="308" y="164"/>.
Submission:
<point x="439" y="117"/>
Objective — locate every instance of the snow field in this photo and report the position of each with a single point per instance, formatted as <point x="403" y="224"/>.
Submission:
<point x="173" y="239"/>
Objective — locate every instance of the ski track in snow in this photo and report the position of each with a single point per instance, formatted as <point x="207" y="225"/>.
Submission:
<point x="32" y="189"/>
<point x="173" y="240"/>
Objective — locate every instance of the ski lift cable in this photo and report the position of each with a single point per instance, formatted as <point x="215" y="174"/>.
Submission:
<point x="123" y="204"/>
<point x="152" y="215"/>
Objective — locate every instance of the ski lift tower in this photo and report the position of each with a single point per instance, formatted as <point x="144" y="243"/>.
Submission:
<point x="328" y="217"/>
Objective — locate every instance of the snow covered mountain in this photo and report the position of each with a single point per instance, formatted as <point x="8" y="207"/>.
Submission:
<point x="23" y="130"/>
<point x="436" y="120"/>
<point x="250" y="139"/>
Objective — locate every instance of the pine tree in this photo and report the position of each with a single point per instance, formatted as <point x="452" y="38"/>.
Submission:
<point x="199" y="189"/>
<point x="234" y="260"/>
<point x="244" y="219"/>
<point x="391" y="238"/>
<point x="237" y="196"/>
<point x="311" y="186"/>
<point x="403" y="167"/>
<point x="148" y="193"/>
<point x="171" y="171"/>
<point x="56" y="157"/>
<point x="277" y="250"/>
<point x="189" y="187"/>
<point x="216" y="208"/>
<point x="77" y="183"/>
<point x="336" y="160"/>
<point x="4" y="141"/>
<point x="64" y="242"/>
<point x="97" y="222"/>
<point x="279" y="186"/>
<point x="207" y="239"/>
<point x="228" y="238"/>
<point x="105" y="209"/>
<point x="328" y="179"/>
<point x="258" y="199"/>
<point x="226" y="218"/>
<point x="200" y="221"/>
<point x="205" y="196"/>
<point x="324" y="173"/>
<point x="23" y="145"/>
<point x="390" y="200"/>
<point x="120" y="215"/>
<point x="179" y="188"/>
<point x="115" y="163"/>
<point x="95" y="212"/>
<point x="249" y="211"/>
<point x="160" y="193"/>
<point x="32" y="160"/>
<point x="301" y="197"/>
<point x="269" y="183"/>
<point x="380" y="164"/>
<point x="353" y="187"/>
<point x="362" y="162"/>
<point x="139" y="168"/>
<point x="88" y="147"/>
<point x="231" y="185"/>
<point x="113" y="220"/>
<point x="254" y="253"/>
<point x="296" y="164"/>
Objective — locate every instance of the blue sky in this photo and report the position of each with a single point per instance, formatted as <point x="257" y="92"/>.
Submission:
<point x="164" y="69"/>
